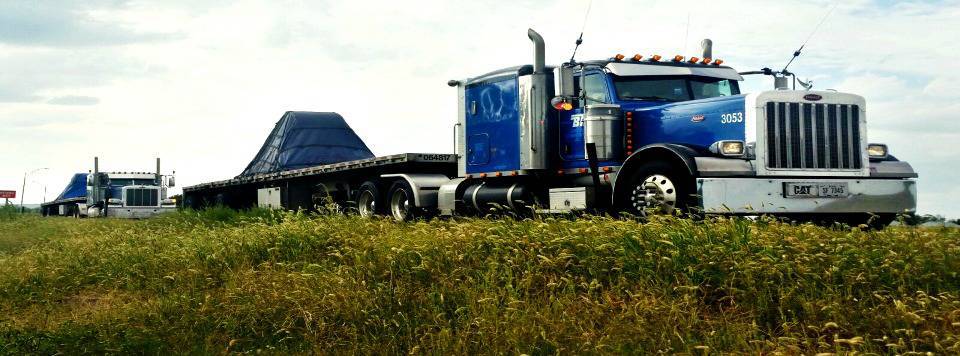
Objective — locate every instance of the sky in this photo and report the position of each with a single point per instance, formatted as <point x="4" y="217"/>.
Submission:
<point x="201" y="83"/>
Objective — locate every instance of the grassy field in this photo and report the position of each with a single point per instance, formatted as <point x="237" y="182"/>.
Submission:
<point x="218" y="281"/>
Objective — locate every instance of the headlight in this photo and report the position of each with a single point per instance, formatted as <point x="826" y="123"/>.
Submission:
<point x="727" y="148"/>
<point x="877" y="150"/>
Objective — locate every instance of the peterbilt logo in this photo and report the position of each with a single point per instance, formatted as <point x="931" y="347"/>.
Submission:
<point x="812" y="97"/>
<point x="697" y="118"/>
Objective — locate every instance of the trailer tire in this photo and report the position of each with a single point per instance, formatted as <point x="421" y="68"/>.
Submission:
<point x="655" y="188"/>
<point x="369" y="200"/>
<point x="401" y="204"/>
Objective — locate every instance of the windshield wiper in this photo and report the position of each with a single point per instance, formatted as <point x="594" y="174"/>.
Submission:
<point x="657" y="98"/>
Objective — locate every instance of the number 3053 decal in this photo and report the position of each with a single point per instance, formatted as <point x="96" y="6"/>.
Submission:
<point x="731" y="118"/>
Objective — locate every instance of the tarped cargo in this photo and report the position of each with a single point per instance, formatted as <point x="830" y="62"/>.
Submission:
<point x="304" y="139"/>
<point x="77" y="188"/>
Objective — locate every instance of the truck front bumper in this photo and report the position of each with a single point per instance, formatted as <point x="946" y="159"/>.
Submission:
<point x="747" y="196"/>
<point x="138" y="212"/>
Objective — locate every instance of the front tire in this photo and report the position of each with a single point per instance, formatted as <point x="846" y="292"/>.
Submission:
<point x="656" y="188"/>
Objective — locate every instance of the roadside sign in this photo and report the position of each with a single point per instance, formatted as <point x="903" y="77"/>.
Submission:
<point x="9" y="194"/>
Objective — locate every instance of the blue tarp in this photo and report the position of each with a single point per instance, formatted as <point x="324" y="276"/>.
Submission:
<point x="304" y="139"/>
<point x="77" y="188"/>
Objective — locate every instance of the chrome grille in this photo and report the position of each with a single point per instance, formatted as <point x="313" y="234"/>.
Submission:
<point x="142" y="197"/>
<point x="813" y="136"/>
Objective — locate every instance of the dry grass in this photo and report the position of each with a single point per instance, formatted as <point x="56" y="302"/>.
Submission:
<point x="284" y="282"/>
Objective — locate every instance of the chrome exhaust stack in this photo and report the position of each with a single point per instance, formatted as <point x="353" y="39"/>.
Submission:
<point x="539" y="61"/>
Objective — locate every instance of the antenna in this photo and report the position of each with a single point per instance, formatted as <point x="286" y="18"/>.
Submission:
<point x="582" y="28"/>
<point x="686" y="34"/>
<point x="797" y="52"/>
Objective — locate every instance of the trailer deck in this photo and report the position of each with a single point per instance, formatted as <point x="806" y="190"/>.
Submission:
<point x="301" y="188"/>
<point x="376" y="162"/>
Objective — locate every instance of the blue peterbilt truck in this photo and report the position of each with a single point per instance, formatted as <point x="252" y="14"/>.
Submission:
<point x="637" y="135"/>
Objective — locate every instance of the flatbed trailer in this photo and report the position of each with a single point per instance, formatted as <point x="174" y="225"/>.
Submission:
<point x="63" y="207"/>
<point x="307" y="188"/>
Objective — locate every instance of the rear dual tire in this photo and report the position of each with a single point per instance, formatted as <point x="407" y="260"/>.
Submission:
<point x="401" y="202"/>
<point x="369" y="201"/>
<point x="398" y="203"/>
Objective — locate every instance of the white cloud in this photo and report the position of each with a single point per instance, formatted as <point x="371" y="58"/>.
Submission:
<point x="205" y="87"/>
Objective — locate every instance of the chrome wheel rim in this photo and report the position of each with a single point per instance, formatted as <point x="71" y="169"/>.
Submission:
<point x="400" y="205"/>
<point x="655" y="194"/>
<point x="367" y="204"/>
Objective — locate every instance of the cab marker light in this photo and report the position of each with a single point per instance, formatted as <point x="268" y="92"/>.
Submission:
<point x="655" y="58"/>
<point x="694" y="60"/>
<point x="583" y="170"/>
<point x="707" y="60"/>
<point x="483" y="175"/>
<point x="561" y="104"/>
<point x="718" y="62"/>
<point x="637" y="57"/>
<point x="499" y="174"/>
<point x="607" y="169"/>
<point x="618" y="57"/>
<point x="678" y="58"/>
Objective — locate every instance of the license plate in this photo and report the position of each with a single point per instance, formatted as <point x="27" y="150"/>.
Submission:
<point x="815" y="190"/>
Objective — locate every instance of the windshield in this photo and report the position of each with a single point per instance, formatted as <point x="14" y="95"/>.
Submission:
<point x="673" y="88"/>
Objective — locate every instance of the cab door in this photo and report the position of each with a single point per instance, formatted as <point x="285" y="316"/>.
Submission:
<point x="596" y="91"/>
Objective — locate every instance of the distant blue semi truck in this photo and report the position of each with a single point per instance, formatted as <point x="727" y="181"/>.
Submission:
<point x="128" y="195"/>
<point x="637" y="135"/>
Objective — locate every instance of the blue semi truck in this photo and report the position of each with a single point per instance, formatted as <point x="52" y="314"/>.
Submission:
<point x="638" y="135"/>
<point x="128" y="195"/>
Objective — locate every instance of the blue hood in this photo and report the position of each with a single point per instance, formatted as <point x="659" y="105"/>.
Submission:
<point x="695" y="123"/>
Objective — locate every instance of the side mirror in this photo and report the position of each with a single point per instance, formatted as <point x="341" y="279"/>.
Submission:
<point x="171" y="182"/>
<point x="565" y="81"/>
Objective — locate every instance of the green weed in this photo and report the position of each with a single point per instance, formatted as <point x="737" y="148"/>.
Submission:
<point x="224" y="281"/>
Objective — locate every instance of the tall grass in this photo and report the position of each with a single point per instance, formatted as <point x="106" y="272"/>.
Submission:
<point x="221" y="281"/>
<point x="8" y="212"/>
